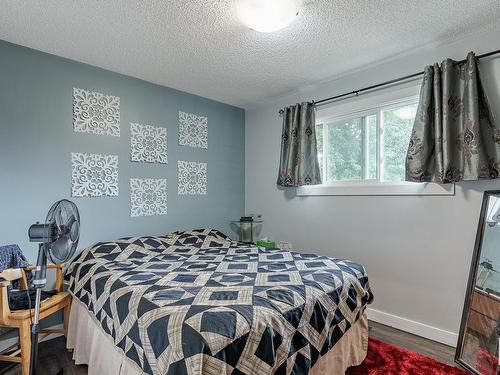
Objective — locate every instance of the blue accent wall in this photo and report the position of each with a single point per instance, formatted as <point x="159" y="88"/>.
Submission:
<point x="37" y="138"/>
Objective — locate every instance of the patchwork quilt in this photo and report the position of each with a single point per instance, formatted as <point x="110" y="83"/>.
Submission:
<point x="195" y="303"/>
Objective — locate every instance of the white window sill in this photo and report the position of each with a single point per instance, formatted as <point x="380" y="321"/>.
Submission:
<point x="376" y="188"/>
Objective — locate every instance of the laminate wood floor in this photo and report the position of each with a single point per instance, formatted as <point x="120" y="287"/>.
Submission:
<point x="53" y="357"/>
<point x="440" y="352"/>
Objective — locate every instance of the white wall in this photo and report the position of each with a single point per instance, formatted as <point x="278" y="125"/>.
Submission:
<point x="417" y="250"/>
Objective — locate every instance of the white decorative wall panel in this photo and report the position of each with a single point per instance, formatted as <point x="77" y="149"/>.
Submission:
<point x="94" y="175"/>
<point x="148" y="143"/>
<point x="96" y="113"/>
<point x="191" y="178"/>
<point x="193" y="130"/>
<point x="148" y="196"/>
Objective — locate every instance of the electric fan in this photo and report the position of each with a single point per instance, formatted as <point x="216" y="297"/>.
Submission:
<point x="58" y="239"/>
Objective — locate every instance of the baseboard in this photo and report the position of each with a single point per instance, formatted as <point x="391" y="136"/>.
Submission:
<point x="411" y="326"/>
<point x="5" y="343"/>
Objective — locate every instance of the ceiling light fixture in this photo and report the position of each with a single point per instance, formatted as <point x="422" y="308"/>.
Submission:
<point x="267" y="15"/>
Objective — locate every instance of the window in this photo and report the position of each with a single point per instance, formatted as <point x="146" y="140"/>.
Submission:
<point x="362" y="146"/>
<point x="367" y="146"/>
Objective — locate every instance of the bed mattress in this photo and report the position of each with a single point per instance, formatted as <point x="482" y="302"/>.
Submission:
<point x="196" y="302"/>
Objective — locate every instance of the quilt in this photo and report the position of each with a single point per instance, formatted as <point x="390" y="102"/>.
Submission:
<point x="195" y="302"/>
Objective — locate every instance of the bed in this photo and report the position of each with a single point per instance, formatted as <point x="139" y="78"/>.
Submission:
<point x="195" y="302"/>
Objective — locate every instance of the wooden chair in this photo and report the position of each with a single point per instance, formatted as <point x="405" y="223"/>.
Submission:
<point x="21" y="319"/>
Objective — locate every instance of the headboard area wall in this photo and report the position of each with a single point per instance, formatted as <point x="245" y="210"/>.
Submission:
<point x="136" y="158"/>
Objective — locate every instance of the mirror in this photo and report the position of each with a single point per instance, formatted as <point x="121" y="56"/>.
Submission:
<point x="478" y="341"/>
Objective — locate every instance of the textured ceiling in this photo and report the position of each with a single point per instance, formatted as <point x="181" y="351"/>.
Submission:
<point x="199" y="46"/>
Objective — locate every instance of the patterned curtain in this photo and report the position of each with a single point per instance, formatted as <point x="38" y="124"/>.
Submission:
<point x="299" y="157"/>
<point x="454" y="137"/>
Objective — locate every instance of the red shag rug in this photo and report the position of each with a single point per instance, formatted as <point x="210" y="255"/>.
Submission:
<point x="388" y="359"/>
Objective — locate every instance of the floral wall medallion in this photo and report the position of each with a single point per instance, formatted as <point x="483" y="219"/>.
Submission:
<point x="94" y="175"/>
<point x="193" y="130"/>
<point x="191" y="178"/>
<point x="148" y="143"/>
<point x="148" y="196"/>
<point x="96" y="113"/>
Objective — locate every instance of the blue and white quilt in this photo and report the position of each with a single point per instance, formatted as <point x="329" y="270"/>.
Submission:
<point x="196" y="302"/>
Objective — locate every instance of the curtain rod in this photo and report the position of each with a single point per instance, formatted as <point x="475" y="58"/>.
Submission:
<point x="390" y="82"/>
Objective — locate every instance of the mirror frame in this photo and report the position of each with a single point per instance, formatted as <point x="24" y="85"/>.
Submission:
<point x="472" y="279"/>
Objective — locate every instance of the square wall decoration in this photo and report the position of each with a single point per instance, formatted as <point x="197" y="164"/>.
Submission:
<point x="148" y="197"/>
<point x="148" y="143"/>
<point x="94" y="175"/>
<point x="191" y="178"/>
<point x="96" y="113"/>
<point x="193" y="130"/>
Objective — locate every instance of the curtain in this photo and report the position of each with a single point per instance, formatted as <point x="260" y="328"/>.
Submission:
<point x="454" y="137"/>
<point x="299" y="156"/>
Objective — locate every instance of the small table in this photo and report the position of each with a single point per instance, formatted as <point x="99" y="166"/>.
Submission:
<point x="241" y="223"/>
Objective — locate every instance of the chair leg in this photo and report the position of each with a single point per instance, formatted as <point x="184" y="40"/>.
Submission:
<point x="66" y="313"/>
<point x="25" y="340"/>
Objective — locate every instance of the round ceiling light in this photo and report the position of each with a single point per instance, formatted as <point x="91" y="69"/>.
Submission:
<point x="267" y="15"/>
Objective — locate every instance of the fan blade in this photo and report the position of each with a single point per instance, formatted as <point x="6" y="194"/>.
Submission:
<point x="60" y="247"/>
<point x="70" y="221"/>
<point x="74" y="231"/>
<point x="60" y="219"/>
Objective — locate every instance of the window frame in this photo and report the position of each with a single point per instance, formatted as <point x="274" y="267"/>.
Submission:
<point x="364" y="107"/>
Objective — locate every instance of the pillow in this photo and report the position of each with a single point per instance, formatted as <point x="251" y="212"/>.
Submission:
<point x="205" y="236"/>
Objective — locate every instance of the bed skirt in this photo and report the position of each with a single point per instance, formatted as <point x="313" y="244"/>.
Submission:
<point x="93" y="347"/>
